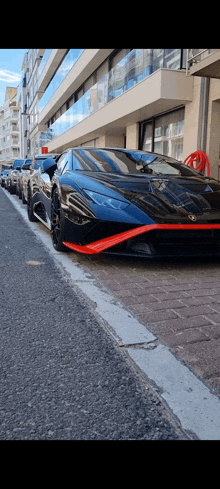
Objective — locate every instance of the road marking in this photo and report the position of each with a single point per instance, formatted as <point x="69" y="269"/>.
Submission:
<point x="34" y="262"/>
<point x="197" y="409"/>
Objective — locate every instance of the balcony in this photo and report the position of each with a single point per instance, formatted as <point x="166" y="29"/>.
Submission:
<point x="14" y="128"/>
<point x="203" y="62"/>
<point x="92" y="115"/>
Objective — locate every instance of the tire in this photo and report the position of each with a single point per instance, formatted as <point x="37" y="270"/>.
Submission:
<point x="23" y="198"/>
<point x="31" y="215"/>
<point x="11" y="188"/>
<point x="57" y="223"/>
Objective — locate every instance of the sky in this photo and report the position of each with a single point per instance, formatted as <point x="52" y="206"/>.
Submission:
<point x="10" y="69"/>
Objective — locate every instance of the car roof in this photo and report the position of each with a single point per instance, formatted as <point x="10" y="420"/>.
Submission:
<point x="46" y="155"/>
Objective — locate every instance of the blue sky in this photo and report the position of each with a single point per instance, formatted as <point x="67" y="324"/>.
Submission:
<point x="10" y="69"/>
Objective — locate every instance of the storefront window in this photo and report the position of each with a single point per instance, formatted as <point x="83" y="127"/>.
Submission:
<point x="164" y="134"/>
<point x="147" y="144"/>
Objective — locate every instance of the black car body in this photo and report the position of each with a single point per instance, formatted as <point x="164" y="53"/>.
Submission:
<point x="3" y="177"/>
<point x="126" y="202"/>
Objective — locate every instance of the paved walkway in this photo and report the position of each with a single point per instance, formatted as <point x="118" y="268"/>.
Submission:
<point x="178" y="300"/>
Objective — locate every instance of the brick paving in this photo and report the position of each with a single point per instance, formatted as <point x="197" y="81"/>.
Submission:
<point x="178" y="300"/>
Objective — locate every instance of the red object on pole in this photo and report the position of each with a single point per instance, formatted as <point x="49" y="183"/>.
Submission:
<point x="203" y="161"/>
<point x="44" y="150"/>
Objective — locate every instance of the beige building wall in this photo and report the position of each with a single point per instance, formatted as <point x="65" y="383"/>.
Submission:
<point x="132" y="136"/>
<point x="213" y="128"/>
<point x="191" y="122"/>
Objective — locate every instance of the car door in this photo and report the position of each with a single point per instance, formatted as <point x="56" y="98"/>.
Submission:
<point x="44" y="183"/>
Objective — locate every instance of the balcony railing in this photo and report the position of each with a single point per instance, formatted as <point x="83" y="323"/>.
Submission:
<point x="195" y="56"/>
<point x="137" y="65"/>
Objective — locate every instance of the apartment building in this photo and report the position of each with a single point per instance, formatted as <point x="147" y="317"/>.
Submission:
<point x="28" y="100"/>
<point x="147" y="99"/>
<point x="9" y="129"/>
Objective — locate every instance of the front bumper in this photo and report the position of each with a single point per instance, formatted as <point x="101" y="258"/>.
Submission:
<point x="158" y="240"/>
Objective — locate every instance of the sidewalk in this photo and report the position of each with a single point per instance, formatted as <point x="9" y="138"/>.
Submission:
<point x="179" y="301"/>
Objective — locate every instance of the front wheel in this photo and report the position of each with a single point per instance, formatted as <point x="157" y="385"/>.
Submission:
<point x="23" y="198"/>
<point x="31" y="215"/>
<point x="57" y="223"/>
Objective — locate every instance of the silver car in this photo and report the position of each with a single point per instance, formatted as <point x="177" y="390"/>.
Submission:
<point x="25" y="168"/>
<point x="35" y="165"/>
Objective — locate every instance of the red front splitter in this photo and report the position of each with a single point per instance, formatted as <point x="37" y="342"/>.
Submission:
<point x="103" y="244"/>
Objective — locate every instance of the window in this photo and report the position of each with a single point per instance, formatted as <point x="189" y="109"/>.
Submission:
<point x="118" y="56"/>
<point x="79" y="94"/>
<point x="128" y="162"/>
<point x="89" y="83"/>
<point x="164" y="134"/>
<point x="61" y="162"/>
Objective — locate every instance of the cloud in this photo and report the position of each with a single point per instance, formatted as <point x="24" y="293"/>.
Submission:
<point x="9" y="76"/>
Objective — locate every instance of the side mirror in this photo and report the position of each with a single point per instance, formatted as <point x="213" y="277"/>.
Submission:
<point x="48" y="166"/>
<point x="26" y="166"/>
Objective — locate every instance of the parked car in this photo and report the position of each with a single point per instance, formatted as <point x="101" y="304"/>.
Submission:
<point x="128" y="202"/>
<point x="12" y="177"/>
<point x="3" y="177"/>
<point x="35" y="165"/>
<point x="25" y="168"/>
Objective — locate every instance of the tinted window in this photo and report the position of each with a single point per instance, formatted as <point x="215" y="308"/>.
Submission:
<point x="61" y="161"/>
<point x="18" y="163"/>
<point x="133" y="162"/>
<point x="37" y="162"/>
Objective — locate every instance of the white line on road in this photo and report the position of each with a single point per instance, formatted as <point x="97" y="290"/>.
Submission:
<point x="197" y="409"/>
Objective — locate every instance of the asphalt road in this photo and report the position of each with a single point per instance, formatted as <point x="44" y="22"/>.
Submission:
<point x="62" y="376"/>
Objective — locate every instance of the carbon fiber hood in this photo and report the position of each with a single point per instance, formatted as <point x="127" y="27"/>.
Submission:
<point x="163" y="196"/>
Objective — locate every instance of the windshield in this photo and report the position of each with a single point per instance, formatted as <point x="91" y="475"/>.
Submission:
<point x="128" y="162"/>
<point x="38" y="162"/>
<point x="18" y="163"/>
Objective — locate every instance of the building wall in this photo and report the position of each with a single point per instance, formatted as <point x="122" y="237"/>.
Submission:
<point x="9" y="129"/>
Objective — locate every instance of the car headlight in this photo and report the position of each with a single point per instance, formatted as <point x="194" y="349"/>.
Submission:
<point x="106" y="201"/>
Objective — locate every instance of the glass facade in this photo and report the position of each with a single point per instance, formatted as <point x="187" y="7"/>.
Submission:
<point x="135" y="66"/>
<point x="44" y="60"/>
<point x="68" y="61"/>
<point x="164" y="134"/>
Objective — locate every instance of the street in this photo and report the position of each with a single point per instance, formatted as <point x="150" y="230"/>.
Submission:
<point x="99" y="347"/>
<point x="62" y="377"/>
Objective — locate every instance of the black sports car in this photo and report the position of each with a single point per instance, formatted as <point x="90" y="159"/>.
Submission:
<point x="124" y="201"/>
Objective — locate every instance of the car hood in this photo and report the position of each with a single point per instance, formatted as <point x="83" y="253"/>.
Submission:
<point x="166" y="195"/>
